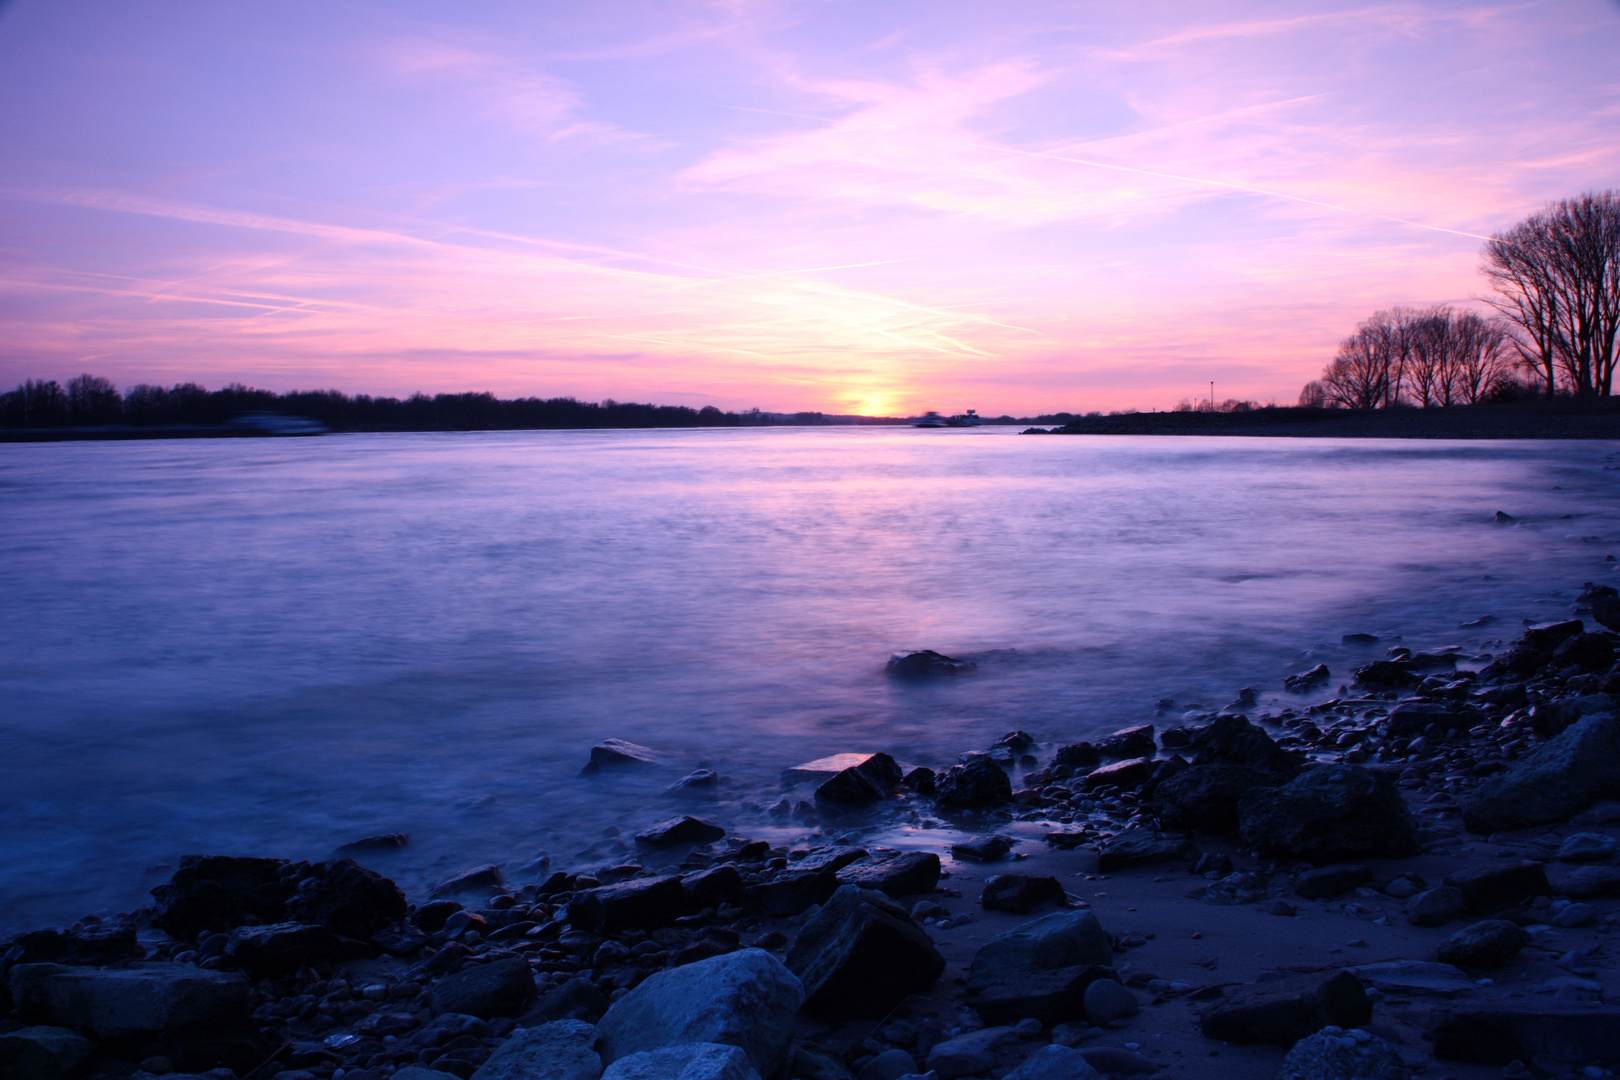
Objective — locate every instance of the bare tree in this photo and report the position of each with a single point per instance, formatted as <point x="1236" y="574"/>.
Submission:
<point x="1315" y="396"/>
<point x="1369" y="369"/>
<point x="1557" y="274"/>
<point x="1478" y="351"/>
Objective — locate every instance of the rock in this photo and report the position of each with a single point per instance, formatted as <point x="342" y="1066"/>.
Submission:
<point x="1021" y="893"/>
<point x="973" y="785"/>
<point x="1359" y="639"/>
<point x="889" y="1065"/>
<point x="1575" y="915"/>
<point x="1139" y="846"/>
<point x="813" y="1063"/>
<point x="576" y="999"/>
<point x="822" y="769"/>
<point x="712" y="887"/>
<point x="431" y="917"/>
<point x="1577" y="768"/>
<point x="473" y="879"/>
<point x="636" y="904"/>
<point x="1387" y="673"/>
<point x="1233" y="740"/>
<point x="1305" y="680"/>
<point x="1206" y="797"/>
<point x="691" y="1061"/>
<point x="900" y="873"/>
<point x="1327" y="813"/>
<point x="832" y="857"/>
<point x="42" y="1053"/>
<point x="1077" y="756"/>
<point x="447" y="1027"/>
<point x="920" y="780"/>
<point x="1107" y="1001"/>
<point x="685" y="829"/>
<point x="1326" y="881"/>
<point x="746" y="999"/>
<point x="1586" y="847"/>
<point x="1552" y="717"/>
<point x="560" y="1050"/>
<point x="1117" y="1062"/>
<point x="1415" y="978"/>
<point x="500" y="988"/>
<point x="344" y="897"/>
<point x="109" y="941"/>
<point x="792" y="892"/>
<point x="1435" y="907"/>
<point x="1017" y="741"/>
<point x="119" y="1003"/>
<point x="922" y="663"/>
<point x="1239" y="888"/>
<point x="618" y="754"/>
<point x="1355" y="1056"/>
<point x="1054" y="1062"/>
<point x="1491" y="887"/>
<point x="1491" y="943"/>
<point x="1131" y="742"/>
<point x="1594" y="652"/>
<point x="1121" y="774"/>
<point x="860" y="956"/>
<point x="974" y="1052"/>
<point x="698" y="782"/>
<point x="873" y="780"/>
<point x="269" y="952"/>
<point x="1497" y="1034"/>
<point x="410" y="1072"/>
<point x="1589" y="881"/>
<point x="217" y="893"/>
<point x="1040" y="969"/>
<point x="983" y="849"/>
<point x="1286" y="1010"/>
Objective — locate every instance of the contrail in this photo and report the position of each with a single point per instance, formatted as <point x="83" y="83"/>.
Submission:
<point x="1231" y="187"/>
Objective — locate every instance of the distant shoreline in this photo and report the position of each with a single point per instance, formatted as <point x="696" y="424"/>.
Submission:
<point x="1519" y="420"/>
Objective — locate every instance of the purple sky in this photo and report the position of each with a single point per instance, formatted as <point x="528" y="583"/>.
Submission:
<point x="866" y="206"/>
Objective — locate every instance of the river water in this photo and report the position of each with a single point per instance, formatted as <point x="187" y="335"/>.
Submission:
<point x="275" y="646"/>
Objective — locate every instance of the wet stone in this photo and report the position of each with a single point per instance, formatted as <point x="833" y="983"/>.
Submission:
<point x="685" y="829"/>
<point x="1021" y="894"/>
<point x="619" y="754"/>
<point x="982" y="849"/>
<point x="926" y="663"/>
<point x="975" y="784"/>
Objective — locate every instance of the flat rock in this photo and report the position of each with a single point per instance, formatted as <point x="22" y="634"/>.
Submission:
<point x="692" y="1061"/>
<point x="861" y="955"/>
<point x="1416" y="978"/>
<point x="42" y="1053"/>
<point x="746" y="999"/>
<point x="560" y="1050"/>
<point x="1572" y="771"/>
<point x="899" y="873"/>
<point x="1329" y="813"/>
<point x="487" y="991"/>
<point x="1139" y="846"/>
<point x="1498" y="1034"/>
<point x="1021" y="894"/>
<point x="1040" y="969"/>
<point x="1327" y="881"/>
<point x="1121" y="774"/>
<point x="1491" y="943"/>
<point x="1284" y="1011"/>
<point x="1054" y="1062"/>
<point x="975" y="784"/>
<point x="792" y="893"/>
<point x="684" y="829"/>
<point x="143" y="999"/>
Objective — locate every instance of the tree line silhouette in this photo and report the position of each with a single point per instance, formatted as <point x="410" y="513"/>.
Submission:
<point x="1556" y="278"/>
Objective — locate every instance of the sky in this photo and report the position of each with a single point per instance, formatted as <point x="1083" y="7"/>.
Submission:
<point x="868" y="206"/>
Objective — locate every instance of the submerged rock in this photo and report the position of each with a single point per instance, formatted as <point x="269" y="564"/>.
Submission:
<point x="861" y="955"/>
<point x="685" y="829"/>
<point x="1305" y="680"/>
<point x="922" y="663"/>
<point x="619" y="754"/>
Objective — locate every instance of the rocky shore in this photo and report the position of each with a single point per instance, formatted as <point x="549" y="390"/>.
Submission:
<point x="1413" y="877"/>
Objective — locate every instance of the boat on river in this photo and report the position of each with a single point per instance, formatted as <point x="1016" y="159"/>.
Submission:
<point x="929" y="419"/>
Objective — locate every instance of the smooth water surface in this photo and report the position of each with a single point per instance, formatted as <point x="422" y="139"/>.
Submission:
<point x="276" y="646"/>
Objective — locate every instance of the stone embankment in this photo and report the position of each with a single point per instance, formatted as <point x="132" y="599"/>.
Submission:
<point x="1414" y="877"/>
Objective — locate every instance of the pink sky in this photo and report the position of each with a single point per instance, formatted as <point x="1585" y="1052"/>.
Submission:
<point x="877" y="207"/>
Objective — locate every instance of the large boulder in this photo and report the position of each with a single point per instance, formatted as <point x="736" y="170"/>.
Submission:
<point x="1021" y="894"/>
<point x="870" y="781"/>
<point x="1131" y="742"/>
<point x="1285" y="1011"/>
<point x="1206" y="797"/>
<point x="861" y="955"/>
<point x="487" y="991"/>
<point x="746" y="999"/>
<point x="1040" y="969"/>
<point x="560" y="1050"/>
<point x="144" y="999"/>
<point x="975" y="784"/>
<point x="344" y="897"/>
<point x="1329" y="813"/>
<point x="1233" y="740"/>
<point x="218" y="893"/>
<point x="692" y="1061"/>
<point x="1577" y="768"/>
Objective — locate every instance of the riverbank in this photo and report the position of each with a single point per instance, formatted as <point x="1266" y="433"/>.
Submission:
<point x="1417" y="867"/>
<point x="1564" y="419"/>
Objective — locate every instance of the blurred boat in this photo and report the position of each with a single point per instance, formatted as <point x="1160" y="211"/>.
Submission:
<point x="930" y="419"/>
